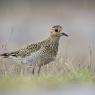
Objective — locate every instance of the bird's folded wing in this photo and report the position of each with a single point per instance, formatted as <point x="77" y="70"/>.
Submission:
<point x="25" y="51"/>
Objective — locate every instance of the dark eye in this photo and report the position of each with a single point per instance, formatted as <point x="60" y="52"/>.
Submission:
<point x="56" y="30"/>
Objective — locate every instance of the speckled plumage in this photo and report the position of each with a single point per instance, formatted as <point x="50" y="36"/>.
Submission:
<point x="40" y="53"/>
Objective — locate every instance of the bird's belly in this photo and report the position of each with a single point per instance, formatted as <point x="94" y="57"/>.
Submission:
<point x="47" y="61"/>
<point x="37" y="58"/>
<point x="33" y="58"/>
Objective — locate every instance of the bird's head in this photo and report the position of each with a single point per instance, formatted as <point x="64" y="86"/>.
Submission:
<point x="56" y="31"/>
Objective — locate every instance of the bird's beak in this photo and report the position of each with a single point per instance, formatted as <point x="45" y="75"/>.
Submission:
<point x="64" y="34"/>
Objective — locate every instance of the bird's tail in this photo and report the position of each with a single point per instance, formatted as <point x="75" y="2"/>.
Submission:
<point x="5" y="55"/>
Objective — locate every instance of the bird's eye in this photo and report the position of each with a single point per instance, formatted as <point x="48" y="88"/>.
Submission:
<point x="56" y="30"/>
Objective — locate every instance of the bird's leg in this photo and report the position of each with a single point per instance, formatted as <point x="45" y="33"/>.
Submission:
<point x="33" y="70"/>
<point x="39" y="68"/>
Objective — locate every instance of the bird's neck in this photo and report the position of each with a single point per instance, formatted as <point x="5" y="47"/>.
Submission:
<point x="50" y="40"/>
<point x="54" y="39"/>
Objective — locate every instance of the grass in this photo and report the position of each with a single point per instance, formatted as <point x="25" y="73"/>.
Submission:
<point x="46" y="80"/>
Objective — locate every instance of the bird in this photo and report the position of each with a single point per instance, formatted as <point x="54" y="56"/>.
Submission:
<point x="40" y="53"/>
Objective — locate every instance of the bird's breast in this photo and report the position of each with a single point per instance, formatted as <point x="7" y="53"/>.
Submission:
<point x="52" y="49"/>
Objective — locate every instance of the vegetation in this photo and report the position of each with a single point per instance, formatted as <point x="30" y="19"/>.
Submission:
<point x="46" y="79"/>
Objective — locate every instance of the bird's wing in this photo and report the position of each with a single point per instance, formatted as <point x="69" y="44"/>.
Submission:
<point x="24" y="52"/>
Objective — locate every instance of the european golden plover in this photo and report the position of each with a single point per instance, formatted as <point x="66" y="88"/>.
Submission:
<point x="40" y="53"/>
